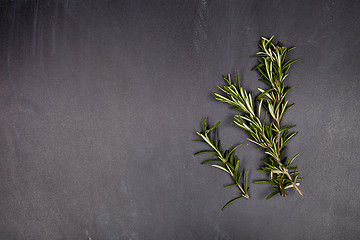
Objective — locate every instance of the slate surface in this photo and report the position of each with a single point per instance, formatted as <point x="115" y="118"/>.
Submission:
<point x="100" y="100"/>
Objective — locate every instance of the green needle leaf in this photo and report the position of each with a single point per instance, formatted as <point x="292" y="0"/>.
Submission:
<point x="215" y="126"/>
<point x="204" y="151"/>
<point x="290" y="162"/>
<point x="231" y="201"/>
<point x="272" y="194"/>
<point x="220" y="167"/>
<point x="211" y="161"/>
<point x="246" y="177"/>
<point x="264" y="182"/>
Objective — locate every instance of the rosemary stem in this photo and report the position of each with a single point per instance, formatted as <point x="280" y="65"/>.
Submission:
<point x="221" y="157"/>
<point x="283" y="168"/>
<point x="237" y="184"/>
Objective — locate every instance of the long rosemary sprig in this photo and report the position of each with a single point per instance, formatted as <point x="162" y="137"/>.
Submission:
<point x="272" y="137"/>
<point x="224" y="160"/>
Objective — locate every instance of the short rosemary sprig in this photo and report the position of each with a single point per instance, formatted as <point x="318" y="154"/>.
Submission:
<point x="224" y="160"/>
<point x="272" y="137"/>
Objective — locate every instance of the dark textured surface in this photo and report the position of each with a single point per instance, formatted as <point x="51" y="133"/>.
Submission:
<point x="100" y="100"/>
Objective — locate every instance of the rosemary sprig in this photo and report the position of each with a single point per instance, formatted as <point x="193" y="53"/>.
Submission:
<point x="272" y="137"/>
<point x="224" y="160"/>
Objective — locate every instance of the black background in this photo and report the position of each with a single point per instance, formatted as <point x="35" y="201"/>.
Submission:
<point x="100" y="100"/>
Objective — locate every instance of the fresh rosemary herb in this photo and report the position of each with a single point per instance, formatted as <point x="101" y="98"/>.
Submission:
<point x="267" y="132"/>
<point x="224" y="160"/>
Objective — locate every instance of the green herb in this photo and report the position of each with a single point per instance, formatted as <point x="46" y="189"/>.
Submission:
<point x="266" y="131"/>
<point x="224" y="160"/>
